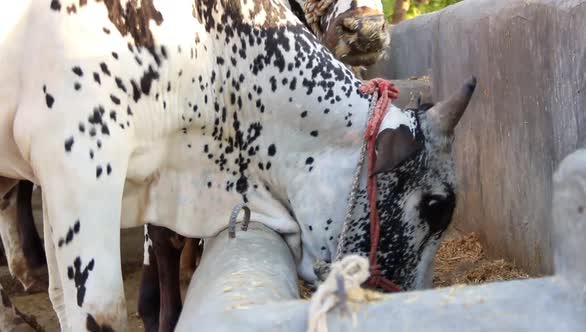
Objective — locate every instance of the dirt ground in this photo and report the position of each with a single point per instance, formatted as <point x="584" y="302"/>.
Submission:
<point x="37" y="302"/>
<point x="460" y="259"/>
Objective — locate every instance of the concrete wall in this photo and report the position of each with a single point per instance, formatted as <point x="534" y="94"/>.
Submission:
<point x="527" y="114"/>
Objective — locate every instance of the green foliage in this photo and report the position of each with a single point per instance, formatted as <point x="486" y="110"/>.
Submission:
<point x="417" y="7"/>
<point x="388" y="6"/>
<point x="432" y="6"/>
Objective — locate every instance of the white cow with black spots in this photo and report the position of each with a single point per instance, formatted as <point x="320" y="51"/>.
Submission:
<point x="177" y="111"/>
<point x="355" y="31"/>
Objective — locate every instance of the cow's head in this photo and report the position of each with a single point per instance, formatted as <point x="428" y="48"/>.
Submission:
<point x="354" y="30"/>
<point x="416" y="190"/>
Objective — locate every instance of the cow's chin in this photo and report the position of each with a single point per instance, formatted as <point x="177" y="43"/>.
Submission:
<point x="361" y="59"/>
<point x="352" y="57"/>
<point x="354" y="52"/>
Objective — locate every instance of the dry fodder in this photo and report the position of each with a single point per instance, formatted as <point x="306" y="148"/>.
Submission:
<point x="462" y="260"/>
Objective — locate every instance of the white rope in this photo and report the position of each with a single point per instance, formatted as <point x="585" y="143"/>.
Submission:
<point x="353" y="270"/>
<point x="355" y="184"/>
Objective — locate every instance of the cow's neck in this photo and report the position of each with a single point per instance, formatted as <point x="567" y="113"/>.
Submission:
<point x="317" y="153"/>
<point x="316" y="142"/>
<point x="313" y="114"/>
<point x="312" y="119"/>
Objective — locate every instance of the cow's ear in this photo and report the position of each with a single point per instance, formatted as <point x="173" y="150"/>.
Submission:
<point x="394" y="146"/>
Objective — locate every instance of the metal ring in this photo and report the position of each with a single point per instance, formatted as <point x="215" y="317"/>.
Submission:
<point x="234" y="216"/>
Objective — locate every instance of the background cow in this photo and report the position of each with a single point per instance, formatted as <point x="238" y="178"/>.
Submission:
<point x="354" y="30"/>
<point x="188" y="109"/>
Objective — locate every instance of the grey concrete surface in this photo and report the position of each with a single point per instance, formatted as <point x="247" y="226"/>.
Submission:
<point x="532" y="305"/>
<point x="529" y="112"/>
<point x="255" y="268"/>
<point x="569" y="214"/>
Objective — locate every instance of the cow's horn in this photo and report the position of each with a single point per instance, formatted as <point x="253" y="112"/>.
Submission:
<point x="445" y="115"/>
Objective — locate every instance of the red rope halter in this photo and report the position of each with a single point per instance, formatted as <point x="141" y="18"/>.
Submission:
<point x="386" y="92"/>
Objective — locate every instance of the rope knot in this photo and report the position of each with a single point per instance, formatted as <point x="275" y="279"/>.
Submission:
<point x="375" y="276"/>
<point x="377" y="280"/>
<point x="345" y="275"/>
<point x="375" y="270"/>
<point x="385" y="87"/>
<point x="386" y="91"/>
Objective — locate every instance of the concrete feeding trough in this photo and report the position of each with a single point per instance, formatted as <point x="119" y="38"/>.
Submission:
<point x="249" y="284"/>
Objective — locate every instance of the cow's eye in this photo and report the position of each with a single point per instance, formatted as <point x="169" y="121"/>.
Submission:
<point x="432" y="200"/>
<point x="437" y="211"/>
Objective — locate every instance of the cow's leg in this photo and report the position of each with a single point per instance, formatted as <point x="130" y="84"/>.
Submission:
<point x="8" y="318"/>
<point x="11" y="319"/>
<point x="31" y="242"/>
<point x="188" y="261"/>
<point x="12" y="245"/>
<point x="86" y="235"/>
<point x="55" y="289"/>
<point x="83" y="202"/>
<point x="167" y="247"/>
<point x="160" y="295"/>
<point x="148" y="301"/>
<point x="190" y="257"/>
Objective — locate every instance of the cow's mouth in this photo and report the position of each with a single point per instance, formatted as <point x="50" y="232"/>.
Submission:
<point x="362" y="59"/>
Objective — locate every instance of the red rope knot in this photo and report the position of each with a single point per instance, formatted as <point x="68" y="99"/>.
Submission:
<point x="376" y="280"/>
<point x="385" y="87"/>
<point x="386" y="92"/>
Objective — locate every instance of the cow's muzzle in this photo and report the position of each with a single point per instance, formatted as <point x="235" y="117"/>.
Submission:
<point x="361" y="39"/>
